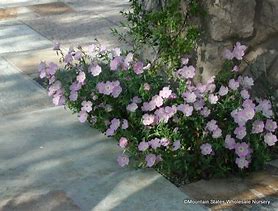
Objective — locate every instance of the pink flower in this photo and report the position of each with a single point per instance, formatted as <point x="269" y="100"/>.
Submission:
<point x="223" y="90"/>
<point x="211" y="125"/>
<point x="230" y="142"/>
<point x="233" y="84"/>
<point x="242" y="163"/>
<point x="190" y="97"/>
<point x="54" y="88"/>
<point x="205" y="112"/>
<point x="73" y="96"/>
<point x="136" y="99"/>
<point x="249" y="113"/>
<point x="227" y="54"/>
<point x="125" y="124"/>
<point x="132" y="107"/>
<point x="199" y="104"/>
<point x="206" y="149"/>
<point x="147" y="87"/>
<point x="258" y="127"/>
<point x="150" y="159"/>
<point x="81" y="77"/>
<point x="242" y="149"/>
<point x="213" y="99"/>
<point x="155" y="143"/>
<point x="117" y="90"/>
<point x="68" y="58"/>
<point x="138" y="68"/>
<point x="42" y="69"/>
<point x="217" y="133"/>
<point x="110" y="132"/>
<point x="265" y="107"/>
<point x="164" y="142"/>
<point x="115" y="124"/>
<point x="239" y="51"/>
<point x="52" y="68"/>
<point x="186" y="109"/>
<point x="165" y="93"/>
<point x="248" y="103"/>
<point x="116" y="52"/>
<point x="123" y="142"/>
<point x="123" y="160"/>
<point x="244" y="94"/>
<point x="115" y="63"/>
<point x="157" y="100"/>
<point x="201" y="88"/>
<point x="109" y="88"/>
<point x="270" y="139"/>
<point x="105" y="88"/>
<point x="143" y="146"/>
<point x="95" y="70"/>
<point x="186" y="72"/>
<point x="235" y="68"/>
<point x="148" y="119"/>
<point x="164" y="114"/>
<point x="128" y="60"/>
<point x="270" y="125"/>
<point x="240" y="132"/>
<point x="148" y="106"/>
<point x="83" y="116"/>
<point x="86" y="106"/>
<point x="77" y="55"/>
<point x="75" y="86"/>
<point x="247" y="82"/>
<point x="58" y="100"/>
<point x="240" y="117"/>
<point x="176" y="145"/>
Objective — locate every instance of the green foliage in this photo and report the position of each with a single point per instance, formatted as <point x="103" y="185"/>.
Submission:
<point x="169" y="31"/>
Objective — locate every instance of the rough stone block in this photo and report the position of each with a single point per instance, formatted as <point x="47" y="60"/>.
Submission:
<point x="228" y="19"/>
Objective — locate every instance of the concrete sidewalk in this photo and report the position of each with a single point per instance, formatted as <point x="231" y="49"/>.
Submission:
<point x="48" y="160"/>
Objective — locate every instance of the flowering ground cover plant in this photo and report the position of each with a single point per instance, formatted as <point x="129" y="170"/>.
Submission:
<point x="183" y="129"/>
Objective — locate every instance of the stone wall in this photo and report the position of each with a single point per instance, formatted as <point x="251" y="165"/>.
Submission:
<point x="252" y="22"/>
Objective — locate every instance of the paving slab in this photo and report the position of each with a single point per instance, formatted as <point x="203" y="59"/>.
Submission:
<point x="16" y="38"/>
<point x="22" y="3"/>
<point x="55" y="8"/>
<point x="49" y="151"/>
<point x="19" y="93"/>
<point x="258" y="186"/>
<point x="28" y="61"/>
<point x="109" y="9"/>
<point x="80" y="28"/>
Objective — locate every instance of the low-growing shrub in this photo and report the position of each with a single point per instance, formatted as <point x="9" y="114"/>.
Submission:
<point x="185" y="130"/>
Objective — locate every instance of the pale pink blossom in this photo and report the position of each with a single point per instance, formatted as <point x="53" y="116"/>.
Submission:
<point x="123" y="160"/>
<point x="123" y="142"/>
<point x="148" y="119"/>
<point x="270" y="139"/>
<point x="86" y="106"/>
<point x="132" y="107"/>
<point x="150" y="159"/>
<point x="138" y="68"/>
<point x="242" y="163"/>
<point x="143" y="146"/>
<point x="165" y="93"/>
<point x="82" y="116"/>
<point x="95" y="70"/>
<point x="230" y="142"/>
<point x="206" y="149"/>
